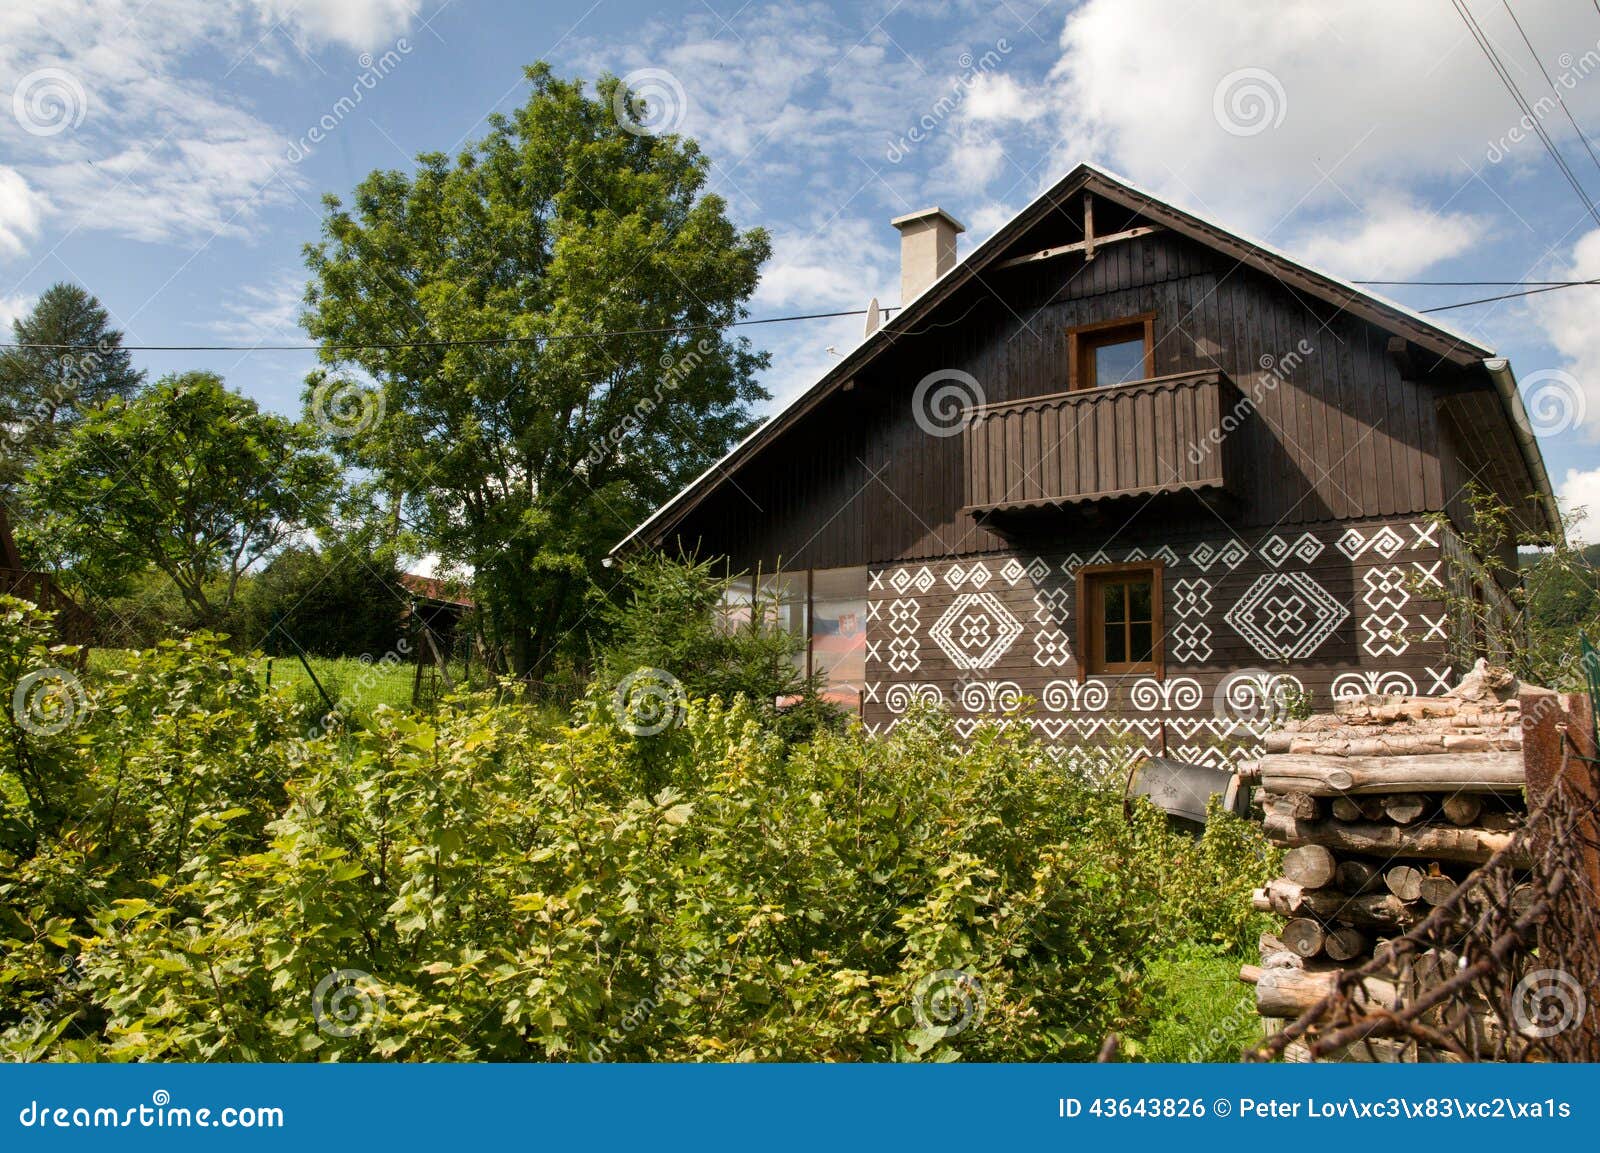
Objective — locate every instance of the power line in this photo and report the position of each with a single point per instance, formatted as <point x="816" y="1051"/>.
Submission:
<point x="1536" y="287"/>
<point x="662" y="330"/>
<point x="1507" y="296"/>
<point x="1553" y="87"/>
<point x="1478" y="283"/>
<point x="1510" y="84"/>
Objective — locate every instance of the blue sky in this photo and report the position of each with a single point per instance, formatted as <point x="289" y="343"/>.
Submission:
<point x="159" y="153"/>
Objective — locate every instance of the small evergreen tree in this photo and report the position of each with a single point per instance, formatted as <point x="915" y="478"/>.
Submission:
<point x="74" y="362"/>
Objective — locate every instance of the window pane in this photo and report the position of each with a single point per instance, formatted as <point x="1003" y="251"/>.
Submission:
<point x="1140" y="639"/>
<point x="1116" y="644"/>
<point x="1139" y="601"/>
<point x="734" y="610"/>
<point x="784" y="586"/>
<point x="1119" y="362"/>
<point x="839" y="649"/>
<point x="1112" y="594"/>
<point x="833" y="584"/>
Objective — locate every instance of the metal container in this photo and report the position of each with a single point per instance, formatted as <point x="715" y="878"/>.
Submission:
<point x="1182" y="790"/>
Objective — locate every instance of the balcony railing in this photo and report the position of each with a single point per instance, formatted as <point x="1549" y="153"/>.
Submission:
<point x="1168" y="434"/>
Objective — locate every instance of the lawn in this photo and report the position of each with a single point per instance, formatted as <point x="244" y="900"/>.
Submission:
<point x="356" y="686"/>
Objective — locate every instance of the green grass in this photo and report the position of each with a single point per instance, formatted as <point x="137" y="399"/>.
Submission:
<point x="356" y="686"/>
<point x="1195" y="1008"/>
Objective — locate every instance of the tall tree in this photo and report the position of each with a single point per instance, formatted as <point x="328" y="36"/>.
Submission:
<point x="186" y="477"/>
<point x="527" y="460"/>
<point x="74" y="362"/>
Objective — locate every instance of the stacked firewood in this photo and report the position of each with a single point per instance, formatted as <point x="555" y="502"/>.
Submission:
<point x="1384" y="806"/>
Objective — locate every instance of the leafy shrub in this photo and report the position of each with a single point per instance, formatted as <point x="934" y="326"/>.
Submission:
<point x="476" y="885"/>
<point x="670" y="621"/>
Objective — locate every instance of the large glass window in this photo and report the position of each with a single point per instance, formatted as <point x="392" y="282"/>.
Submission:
<point x="825" y="611"/>
<point x="839" y="634"/>
<point x="783" y="600"/>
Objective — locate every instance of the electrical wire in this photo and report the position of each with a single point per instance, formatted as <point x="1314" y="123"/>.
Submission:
<point x="1553" y="87"/>
<point x="1510" y="84"/>
<point x="662" y="330"/>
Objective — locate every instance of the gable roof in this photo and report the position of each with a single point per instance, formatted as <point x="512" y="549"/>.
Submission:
<point x="1442" y="341"/>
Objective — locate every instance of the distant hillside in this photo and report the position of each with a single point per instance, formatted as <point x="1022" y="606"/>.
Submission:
<point x="1571" y="599"/>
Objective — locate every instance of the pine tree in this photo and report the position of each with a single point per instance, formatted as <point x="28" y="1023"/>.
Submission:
<point x="74" y="363"/>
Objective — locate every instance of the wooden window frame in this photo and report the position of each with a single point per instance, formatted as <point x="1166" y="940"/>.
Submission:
<point x="1089" y="639"/>
<point x="1081" y="340"/>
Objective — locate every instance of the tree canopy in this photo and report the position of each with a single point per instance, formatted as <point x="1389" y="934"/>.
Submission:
<point x="75" y="362"/>
<point x="187" y="477"/>
<point x="527" y="460"/>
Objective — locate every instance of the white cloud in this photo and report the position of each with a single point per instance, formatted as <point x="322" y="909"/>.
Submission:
<point x="19" y="212"/>
<point x="1580" y="489"/>
<point x="357" y="23"/>
<point x="1393" y="238"/>
<point x="114" y="129"/>
<point x="13" y="307"/>
<point x="996" y="96"/>
<point x="1567" y="320"/>
<point x="1323" y="99"/>
<point x="263" y="313"/>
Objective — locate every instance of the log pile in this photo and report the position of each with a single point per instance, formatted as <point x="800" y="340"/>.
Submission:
<point x="1384" y="806"/>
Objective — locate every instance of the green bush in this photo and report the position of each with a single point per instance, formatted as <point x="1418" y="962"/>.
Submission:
<point x="479" y="886"/>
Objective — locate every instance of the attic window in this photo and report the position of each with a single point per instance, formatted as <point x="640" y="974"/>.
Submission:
<point x="1118" y="352"/>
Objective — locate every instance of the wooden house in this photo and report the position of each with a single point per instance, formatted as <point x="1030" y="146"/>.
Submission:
<point x="1158" y="478"/>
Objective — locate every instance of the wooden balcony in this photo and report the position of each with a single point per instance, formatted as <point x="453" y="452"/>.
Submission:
<point x="1168" y="434"/>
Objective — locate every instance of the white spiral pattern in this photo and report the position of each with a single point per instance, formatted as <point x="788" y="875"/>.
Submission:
<point x="1554" y="400"/>
<point x="948" y="1001"/>
<point x="342" y="408"/>
<point x="943" y="400"/>
<point x="347" y="1001"/>
<point x="902" y="695"/>
<point x="160" y="1097"/>
<point x="48" y="101"/>
<point x="1255" y="695"/>
<point x="650" y="102"/>
<point x="649" y="701"/>
<point x="1248" y="101"/>
<point x="48" y="701"/>
<point x="1547" y="1002"/>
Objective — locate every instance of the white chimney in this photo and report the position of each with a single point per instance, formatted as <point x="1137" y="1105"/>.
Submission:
<point x="927" y="249"/>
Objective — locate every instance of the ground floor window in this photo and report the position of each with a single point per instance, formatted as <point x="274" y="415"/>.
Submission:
<point x="1119" y="614"/>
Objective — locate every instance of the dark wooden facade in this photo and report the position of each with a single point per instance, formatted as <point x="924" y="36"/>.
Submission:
<point x="1284" y="456"/>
